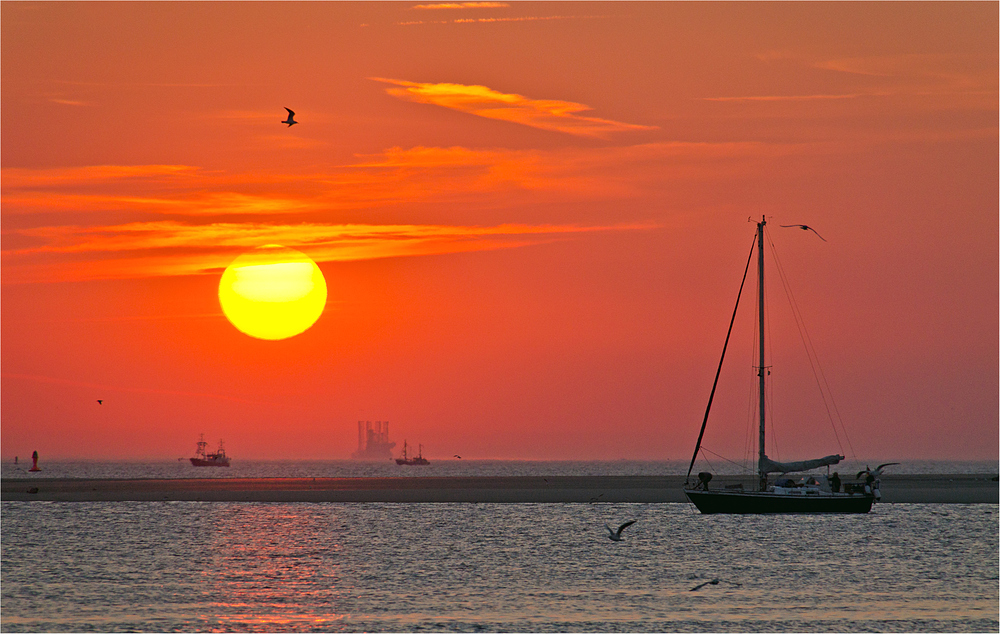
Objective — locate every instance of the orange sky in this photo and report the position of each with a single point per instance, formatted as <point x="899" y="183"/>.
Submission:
<point x="532" y="219"/>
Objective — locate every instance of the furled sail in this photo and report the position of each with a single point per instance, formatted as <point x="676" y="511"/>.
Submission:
<point x="770" y="466"/>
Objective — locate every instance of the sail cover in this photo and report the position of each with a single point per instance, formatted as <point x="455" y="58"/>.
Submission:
<point x="770" y="466"/>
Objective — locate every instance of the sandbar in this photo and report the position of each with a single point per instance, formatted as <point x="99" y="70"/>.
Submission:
<point x="934" y="489"/>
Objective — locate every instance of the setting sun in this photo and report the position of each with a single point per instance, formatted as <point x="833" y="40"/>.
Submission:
<point x="272" y="292"/>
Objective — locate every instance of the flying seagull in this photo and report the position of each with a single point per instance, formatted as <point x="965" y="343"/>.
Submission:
<point x="616" y="536"/>
<point x="713" y="582"/>
<point x="877" y="471"/>
<point x="291" y="117"/>
<point x="807" y="228"/>
<point x="458" y="456"/>
<point x="100" y="402"/>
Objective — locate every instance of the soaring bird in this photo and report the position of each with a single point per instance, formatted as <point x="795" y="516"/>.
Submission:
<point x="458" y="456"/>
<point x="807" y="228"/>
<point x="616" y="536"/>
<point x="877" y="471"/>
<point x="713" y="582"/>
<point x="100" y="402"/>
<point x="291" y="117"/>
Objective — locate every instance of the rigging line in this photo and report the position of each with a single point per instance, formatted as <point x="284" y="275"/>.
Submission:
<point x="818" y="373"/>
<point x="711" y="396"/>
<point x="743" y="467"/>
<point x="710" y="467"/>
<point x="817" y="369"/>
<point x="806" y="342"/>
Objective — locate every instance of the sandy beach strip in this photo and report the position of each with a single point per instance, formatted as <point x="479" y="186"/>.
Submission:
<point x="947" y="489"/>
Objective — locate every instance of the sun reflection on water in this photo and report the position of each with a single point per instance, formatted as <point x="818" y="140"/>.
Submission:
<point x="274" y="566"/>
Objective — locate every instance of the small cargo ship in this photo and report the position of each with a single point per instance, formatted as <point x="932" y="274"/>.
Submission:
<point x="418" y="459"/>
<point x="203" y="459"/>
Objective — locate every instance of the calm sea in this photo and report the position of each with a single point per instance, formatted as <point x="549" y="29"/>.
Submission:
<point x="181" y="468"/>
<point x="197" y="566"/>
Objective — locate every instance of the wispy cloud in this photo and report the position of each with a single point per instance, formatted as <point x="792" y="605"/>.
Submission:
<point x="885" y="65"/>
<point x="792" y="97"/>
<point x="396" y="177"/>
<point x="525" y="18"/>
<point x="167" y="248"/>
<point x="890" y="75"/>
<point x="105" y="388"/>
<point x="463" y="5"/>
<point x="188" y="221"/>
<point x="71" y="102"/>
<point x="546" y="114"/>
<point x="145" y="84"/>
<point x="18" y="178"/>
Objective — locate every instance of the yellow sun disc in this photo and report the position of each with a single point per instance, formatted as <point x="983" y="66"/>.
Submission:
<point x="272" y="292"/>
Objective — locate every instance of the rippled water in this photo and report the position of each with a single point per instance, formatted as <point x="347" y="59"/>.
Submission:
<point x="438" y="468"/>
<point x="191" y="566"/>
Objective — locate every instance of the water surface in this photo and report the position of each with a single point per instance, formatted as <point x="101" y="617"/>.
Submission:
<point x="182" y="468"/>
<point x="195" y="566"/>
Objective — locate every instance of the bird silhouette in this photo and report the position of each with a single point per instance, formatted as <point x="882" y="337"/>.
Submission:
<point x="291" y="117"/>
<point x="616" y="536"/>
<point x="100" y="402"/>
<point x="713" y="582"/>
<point x="807" y="228"/>
<point x="877" y="471"/>
<point x="458" y="456"/>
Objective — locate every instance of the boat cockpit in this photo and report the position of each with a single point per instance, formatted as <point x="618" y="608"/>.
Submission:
<point x="803" y="485"/>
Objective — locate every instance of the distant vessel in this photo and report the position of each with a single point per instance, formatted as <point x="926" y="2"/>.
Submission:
<point x="811" y="494"/>
<point x="415" y="460"/>
<point x="373" y="441"/>
<point x="202" y="459"/>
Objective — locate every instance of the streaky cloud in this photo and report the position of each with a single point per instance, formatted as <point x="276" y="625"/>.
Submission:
<point x="793" y="97"/>
<point x="463" y="5"/>
<point x="170" y="248"/>
<point x="112" y="388"/>
<point x="546" y="114"/>
<point x="526" y="18"/>
<point x="395" y="178"/>
<point x="14" y="177"/>
<point x="71" y="102"/>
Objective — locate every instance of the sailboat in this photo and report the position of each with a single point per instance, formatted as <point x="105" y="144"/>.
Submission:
<point x="809" y="494"/>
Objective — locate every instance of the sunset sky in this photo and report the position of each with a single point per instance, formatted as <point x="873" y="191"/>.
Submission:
<point x="532" y="220"/>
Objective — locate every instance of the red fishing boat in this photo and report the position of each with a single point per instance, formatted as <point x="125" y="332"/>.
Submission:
<point x="203" y="459"/>
<point x="417" y="460"/>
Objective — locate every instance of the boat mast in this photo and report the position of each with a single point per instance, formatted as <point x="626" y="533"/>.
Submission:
<point x="761" y="370"/>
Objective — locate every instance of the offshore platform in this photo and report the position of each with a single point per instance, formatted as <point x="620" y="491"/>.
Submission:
<point x="373" y="441"/>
